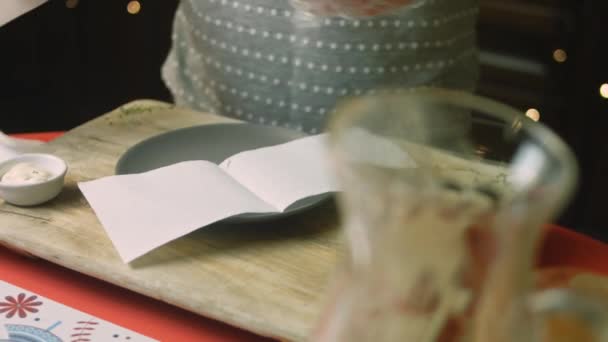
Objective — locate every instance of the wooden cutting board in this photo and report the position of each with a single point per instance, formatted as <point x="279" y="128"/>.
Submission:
<point x="267" y="278"/>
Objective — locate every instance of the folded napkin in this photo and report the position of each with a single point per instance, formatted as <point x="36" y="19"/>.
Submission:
<point x="141" y="212"/>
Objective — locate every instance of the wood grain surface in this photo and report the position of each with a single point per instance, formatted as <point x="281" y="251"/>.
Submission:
<point x="268" y="278"/>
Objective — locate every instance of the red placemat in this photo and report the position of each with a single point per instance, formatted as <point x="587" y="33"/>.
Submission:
<point x="566" y="248"/>
<point x="119" y="306"/>
<point x="44" y="136"/>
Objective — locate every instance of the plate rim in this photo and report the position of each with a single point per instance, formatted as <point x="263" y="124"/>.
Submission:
<point x="242" y="218"/>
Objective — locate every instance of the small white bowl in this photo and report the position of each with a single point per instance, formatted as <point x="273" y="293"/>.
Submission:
<point x="36" y="193"/>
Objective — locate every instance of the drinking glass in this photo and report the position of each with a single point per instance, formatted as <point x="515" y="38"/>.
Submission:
<point x="445" y="194"/>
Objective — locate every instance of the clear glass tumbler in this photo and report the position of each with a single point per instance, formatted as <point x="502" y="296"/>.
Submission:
<point x="443" y="218"/>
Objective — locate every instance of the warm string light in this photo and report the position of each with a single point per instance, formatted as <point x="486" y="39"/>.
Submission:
<point x="533" y="114"/>
<point x="560" y="55"/>
<point x="604" y="90"/>
<point x="134" y="7"/>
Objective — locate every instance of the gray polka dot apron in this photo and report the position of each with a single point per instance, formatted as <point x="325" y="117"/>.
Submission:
<point x="253" y="60"/>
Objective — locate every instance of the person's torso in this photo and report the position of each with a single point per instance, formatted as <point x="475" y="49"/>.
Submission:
<point x="255" y="60"/>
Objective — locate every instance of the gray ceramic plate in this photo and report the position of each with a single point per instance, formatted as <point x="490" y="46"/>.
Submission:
<point x="214" y="143"/>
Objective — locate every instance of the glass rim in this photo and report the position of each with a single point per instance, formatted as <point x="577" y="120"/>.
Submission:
<point x="347" y="113"/>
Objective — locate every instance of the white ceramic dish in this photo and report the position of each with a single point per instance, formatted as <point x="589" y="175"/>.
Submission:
<point x="36" y="193"/>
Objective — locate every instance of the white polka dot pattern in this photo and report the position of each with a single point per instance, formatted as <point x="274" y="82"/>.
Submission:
<point x="304" y="41"/>
<point x="246" y="59"/>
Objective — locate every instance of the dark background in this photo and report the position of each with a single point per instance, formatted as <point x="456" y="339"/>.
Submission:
<point x="70" y="61"/>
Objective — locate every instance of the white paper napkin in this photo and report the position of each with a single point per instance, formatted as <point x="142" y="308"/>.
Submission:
<point x="144" y="211"/>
